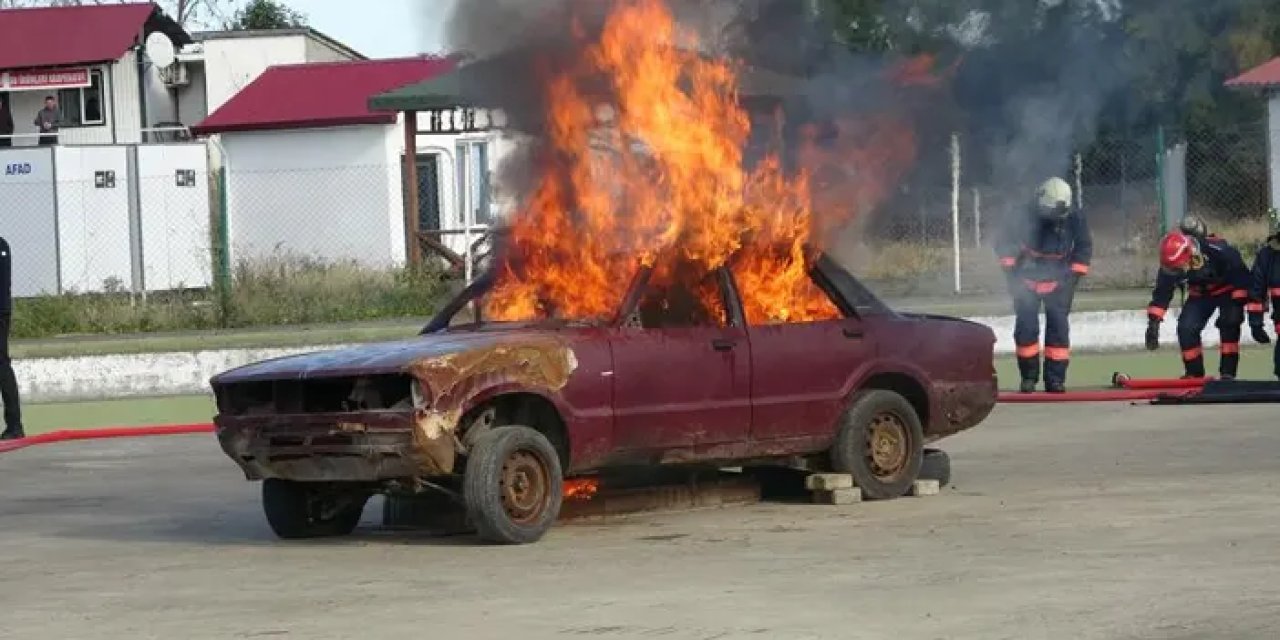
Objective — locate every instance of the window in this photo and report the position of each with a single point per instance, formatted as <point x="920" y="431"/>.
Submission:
<point x="473" y="181"/>
<point x="83" y="107"/>
<point x="684" y="298"/>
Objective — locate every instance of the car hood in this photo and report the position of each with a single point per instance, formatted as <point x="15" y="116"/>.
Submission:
<point x="379" y="358"/>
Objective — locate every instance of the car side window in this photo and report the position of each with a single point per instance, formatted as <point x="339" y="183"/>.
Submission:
<point x="770" y="300"/>
<point x="682" y="303"/>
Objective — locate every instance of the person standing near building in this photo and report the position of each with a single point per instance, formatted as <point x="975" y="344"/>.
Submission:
<point x="6" y="122"/>
<point x="8" y="381"/>
<point x="47" y="121"/>
<point x="1044" y="252"/>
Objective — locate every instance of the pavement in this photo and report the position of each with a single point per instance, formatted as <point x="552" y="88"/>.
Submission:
<point x="1084" y="522"/>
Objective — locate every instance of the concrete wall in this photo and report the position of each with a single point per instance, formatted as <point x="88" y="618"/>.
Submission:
<point x="320" y="51"/>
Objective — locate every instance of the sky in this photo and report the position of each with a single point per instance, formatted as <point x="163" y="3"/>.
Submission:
<point x="393" y="28"/>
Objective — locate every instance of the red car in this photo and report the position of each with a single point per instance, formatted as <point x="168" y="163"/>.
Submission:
<point x="498" y="414"/>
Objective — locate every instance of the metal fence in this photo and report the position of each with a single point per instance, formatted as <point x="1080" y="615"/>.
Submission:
<point x="176" y="236"/>
<point x="937" y="236"/>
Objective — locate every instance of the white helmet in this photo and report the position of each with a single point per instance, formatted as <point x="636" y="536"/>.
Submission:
<point x="1053" y="197"/>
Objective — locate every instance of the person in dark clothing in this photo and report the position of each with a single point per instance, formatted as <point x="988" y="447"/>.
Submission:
<point x="1264" y="290"/>
<point x="1217" y="280"/>
<point x="8" y="381"/>
<point x="47" y="121"/>
<point x="6" y="122"/>
<point x="1044" y="255"/>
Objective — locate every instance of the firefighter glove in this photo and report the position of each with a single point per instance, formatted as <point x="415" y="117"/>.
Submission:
<point x="1153" y="334"/>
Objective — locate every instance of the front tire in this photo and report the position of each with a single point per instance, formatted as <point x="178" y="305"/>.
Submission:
<point x="297" y="510"/>
<point x="880" y="443"/>
<point x="513" y="485"/>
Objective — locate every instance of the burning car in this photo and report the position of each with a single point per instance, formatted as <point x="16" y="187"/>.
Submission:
<point x="501" y="413"/>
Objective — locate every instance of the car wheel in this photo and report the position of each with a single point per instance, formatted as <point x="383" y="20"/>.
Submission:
<point x="880" y="443"/>
<point x="513" y="485"/>
<point x="936" y="465"/>
<point x="297" y="510"/>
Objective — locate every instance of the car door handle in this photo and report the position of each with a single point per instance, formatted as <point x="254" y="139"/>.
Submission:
<point x="723" y="344"/>
<point x="852" y="332"/>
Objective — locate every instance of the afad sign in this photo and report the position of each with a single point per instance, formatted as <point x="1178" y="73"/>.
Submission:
<point x="44" y="79"/>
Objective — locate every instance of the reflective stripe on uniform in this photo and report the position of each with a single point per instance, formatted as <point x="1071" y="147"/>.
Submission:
<point x="1253" y="307"/>
<point x="1028" y="350"/>
<point x="1060" y="354"/>
<point x="1082" y="269"/>
<point x="1156" y="311"/>
<point x="1239" y="294"/>
<point x="1230" y="348"/>
<point x="1274" y="291"/>
<point x="1192" y="353"/>
<point x="1008" y="262"/>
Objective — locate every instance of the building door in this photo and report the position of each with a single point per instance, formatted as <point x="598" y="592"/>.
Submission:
<point x="428" y="192"/>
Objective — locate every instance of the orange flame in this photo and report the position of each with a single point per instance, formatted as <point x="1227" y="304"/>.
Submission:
<point x="580" y="488"/>
<point x="655" y="174"/>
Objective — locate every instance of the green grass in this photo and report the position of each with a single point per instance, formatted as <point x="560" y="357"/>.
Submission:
<point x="1093" y="370"/>
<point x="133" y="412"/>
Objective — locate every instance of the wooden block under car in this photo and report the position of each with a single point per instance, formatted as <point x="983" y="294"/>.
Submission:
<point x="828" y="481"/>
<point x="847" y="495"/>
<point x="926" y="488"/>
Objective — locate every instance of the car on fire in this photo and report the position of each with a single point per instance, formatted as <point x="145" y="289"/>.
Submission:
<point x="500" y="414"/>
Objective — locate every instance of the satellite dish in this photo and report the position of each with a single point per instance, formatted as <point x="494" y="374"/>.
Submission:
<point x="160" y="49"/>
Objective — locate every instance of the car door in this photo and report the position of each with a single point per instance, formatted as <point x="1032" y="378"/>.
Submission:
<point x="799" y="371"/>
<point x="681" y="379"/>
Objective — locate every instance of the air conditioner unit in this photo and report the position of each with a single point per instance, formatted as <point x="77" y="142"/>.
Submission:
<point x="175" y="75"/>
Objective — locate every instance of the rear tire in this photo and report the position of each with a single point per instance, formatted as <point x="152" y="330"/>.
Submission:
<point x="880" y="442"/>
<point x="513" y="485"/>
<point x="298" y="510"/>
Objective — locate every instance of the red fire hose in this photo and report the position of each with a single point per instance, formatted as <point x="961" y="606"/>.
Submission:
<point x="98" y="434"/>
<point x="1125" y="382"/>
<point x="1094" y="395"/>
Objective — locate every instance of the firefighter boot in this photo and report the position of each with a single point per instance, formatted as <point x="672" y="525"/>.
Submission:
<point x="1029" y="369"/>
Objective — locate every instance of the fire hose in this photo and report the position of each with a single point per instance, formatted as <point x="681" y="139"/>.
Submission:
<point x="99" y="434"/>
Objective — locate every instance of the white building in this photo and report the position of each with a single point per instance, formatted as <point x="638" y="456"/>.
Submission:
<point x="127" y="73"/>
<point x="93" y="59"/>
<point x="312" y="171"/>
<point x="1265" y="79"/>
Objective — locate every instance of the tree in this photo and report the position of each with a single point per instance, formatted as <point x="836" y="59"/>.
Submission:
<point x="265" y="15"/>
<point x="188" y="13"/>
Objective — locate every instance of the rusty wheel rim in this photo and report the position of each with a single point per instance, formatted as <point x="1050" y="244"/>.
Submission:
<point x="887" y="445"/>
<point x="525" y="482"/>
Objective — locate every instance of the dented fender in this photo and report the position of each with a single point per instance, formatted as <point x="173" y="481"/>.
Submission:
<point x="453" y="383"/>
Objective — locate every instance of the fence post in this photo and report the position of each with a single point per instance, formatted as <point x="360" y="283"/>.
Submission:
<point x="223" y="276"/>
<point x="977" y="218"/>
<point x="1160" y="178"/>
<point x="955" y="204"/>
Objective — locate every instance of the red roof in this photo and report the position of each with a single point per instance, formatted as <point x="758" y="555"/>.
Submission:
<point x="62" y="36"/>
<point x="329" y="94"/>
<point x="1264" y="75"/>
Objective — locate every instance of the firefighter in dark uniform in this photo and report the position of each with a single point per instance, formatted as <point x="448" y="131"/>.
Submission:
<point x="1264" y="289"/>
<point x="1044" y="254"/>
<point x="8" y="381"/>
<point x="1216" y="280"/>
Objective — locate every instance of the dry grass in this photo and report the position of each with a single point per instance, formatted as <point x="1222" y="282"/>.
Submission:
<point x="911" y="268"/>
<point x="283" y="290"/>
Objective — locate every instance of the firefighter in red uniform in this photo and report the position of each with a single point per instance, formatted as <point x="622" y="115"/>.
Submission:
<point x="1044" y="255"/>
<point x="1265" y="289"/>
<point x="1216" y="279"/>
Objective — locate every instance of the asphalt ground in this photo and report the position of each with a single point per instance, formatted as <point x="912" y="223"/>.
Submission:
<point x="1076" y="521"/>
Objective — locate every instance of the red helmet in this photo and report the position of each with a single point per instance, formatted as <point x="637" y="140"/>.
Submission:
<point x="1178" y="251"/>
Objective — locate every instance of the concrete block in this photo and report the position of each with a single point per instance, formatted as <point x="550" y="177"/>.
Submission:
<point x="828" y="481"/>
<point x="847" y="495"/>
<point x="926" y="488"/>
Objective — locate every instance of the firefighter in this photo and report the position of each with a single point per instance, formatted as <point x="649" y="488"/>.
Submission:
<point x="1265" y="289"/>
<point x="1216" y="279"/>
<point x="1044" y="254"/>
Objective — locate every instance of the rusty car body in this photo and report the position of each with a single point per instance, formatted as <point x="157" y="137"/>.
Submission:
<point x="502" y="412"/>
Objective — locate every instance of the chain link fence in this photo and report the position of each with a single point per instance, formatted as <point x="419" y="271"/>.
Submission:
<point x="1132" y="188"/>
